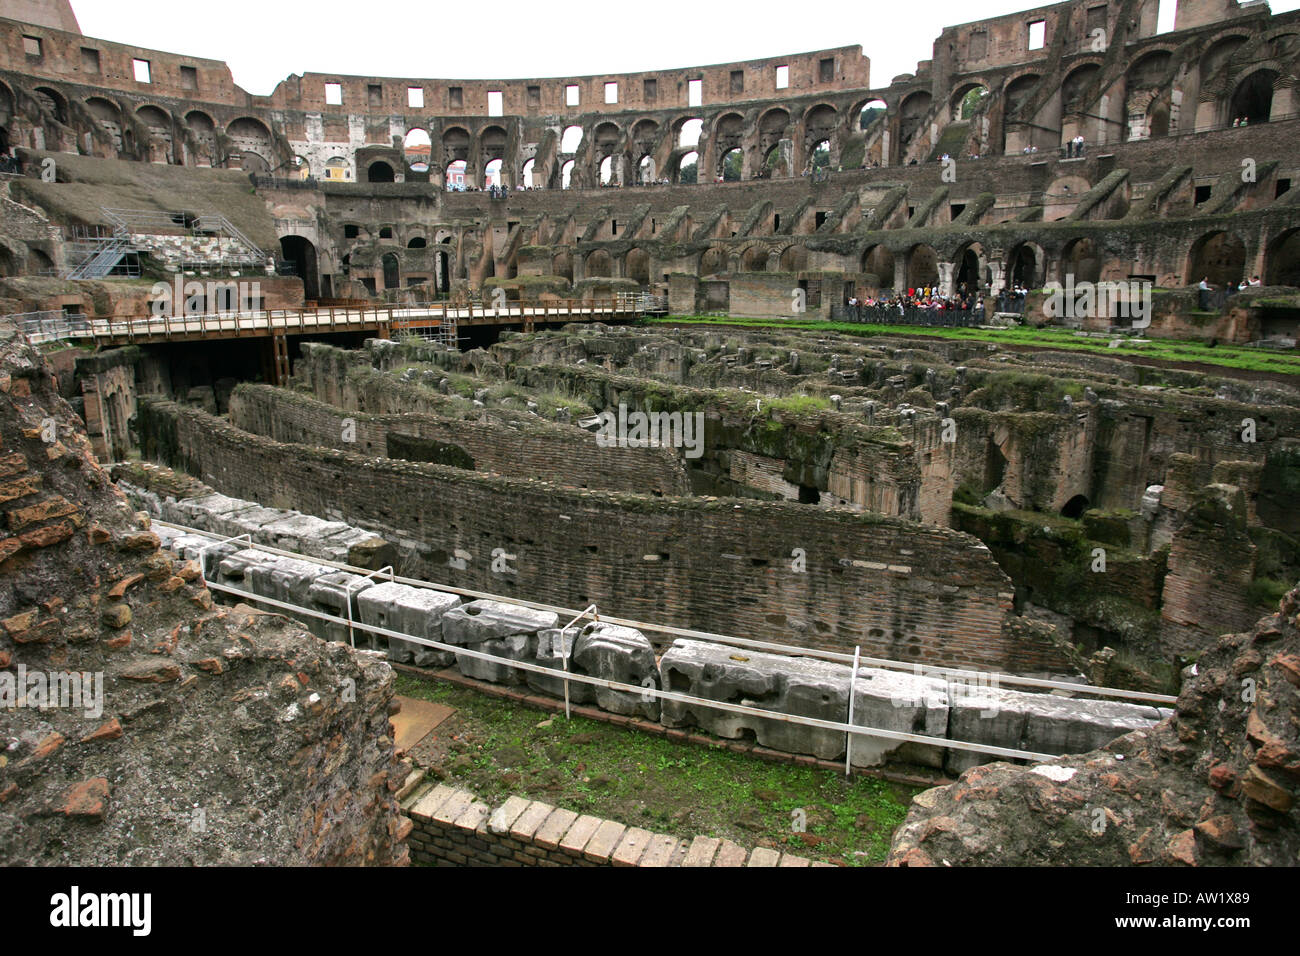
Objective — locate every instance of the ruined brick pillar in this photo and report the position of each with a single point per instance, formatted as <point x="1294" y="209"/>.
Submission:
<point x="1211" y="565"/>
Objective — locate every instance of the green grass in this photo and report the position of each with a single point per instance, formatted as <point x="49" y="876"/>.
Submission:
<point x="1171" y="350"/>
<point x="497" y="748"/>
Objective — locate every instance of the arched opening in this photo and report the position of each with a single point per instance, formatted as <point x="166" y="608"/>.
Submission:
<point x="754" y="259"/>
<point x="645" y="170"/>
<point x="159" y="125"/>
<point x="688" y="133"/>
<point x="1023" y="267"/>
<point x="871" y="111"/>
<point x="392" y="274"/>
<point x="1217" y="56"/>
<point x="1219" y="257"/>
<point x="967" y="279"/>
<point x="794" y="259"/>
<point x="527" y="178"/>
<point x="713" y="262"/>
<point x="922" y="267"/>
<point x="302" y="254"/>
<point x="250" y="141"/>
<point x="38" y="263"/>
<point x="418" y="149"/>
<point x="566" y="175"/>
<point x="878" y="264"/>
<point x="911" y="116"/>
<point x="821" y="155"/>
<point x="203" y="134"/>
<point x="417" y="242"/>
<point x="1075" y="507"/>
<point x="455" y="144"/>
<point x="109" y="118"/>
<point x="379" y="172"/>
<point x="53" y="102"/>
<point x="1252" y="101"/>
<point x="1081" y="260"/>
<point x="562" y="265"/>
<point x="456" y="175"/>
<point x="688" y="168"/>
<point x="385" y="232"/>
<point x="571" y="140"/>
<point x="336" y="169"/>
<point x="8" y="265"/>
<point x="597" y="265"/>
<point x="1077" y="84"/>
<point x="607" y="170"/>
<point x="638" y="266"/>
<point x="774" y="163"/>
<point x="492" y="173"/>
<point x="1282" y="263"/>
<point x="731" y="164"/>
<point x="967" y="100"/>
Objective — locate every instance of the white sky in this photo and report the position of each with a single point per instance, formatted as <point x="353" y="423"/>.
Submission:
<point x="264" y="42"/>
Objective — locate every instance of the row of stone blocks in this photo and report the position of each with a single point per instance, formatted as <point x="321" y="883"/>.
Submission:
<point x="453" y="826"/>
<point x="883" y="700"/>
<point x="276" y="527"/>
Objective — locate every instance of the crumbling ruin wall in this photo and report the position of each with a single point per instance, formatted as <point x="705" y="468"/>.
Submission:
<point x="566" y="456"/>
<point x="899" y="590"/>
<point x="218" y="735"/>
<point x="1215" y="784"/>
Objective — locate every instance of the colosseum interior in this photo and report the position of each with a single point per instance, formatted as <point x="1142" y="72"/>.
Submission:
<point x="517" y="472"/>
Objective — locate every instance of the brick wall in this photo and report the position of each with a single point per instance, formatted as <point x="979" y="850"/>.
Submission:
<point x="565" y="455"/>
<point x="900" y="590"/>
<point x="453" y="828"/>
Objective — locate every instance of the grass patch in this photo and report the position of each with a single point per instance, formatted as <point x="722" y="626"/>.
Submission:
<point x="498" y="748"/>
<point x="1171" y="350"/>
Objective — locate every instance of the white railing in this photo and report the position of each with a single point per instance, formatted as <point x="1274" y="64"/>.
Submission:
<point x="649" y="693"/>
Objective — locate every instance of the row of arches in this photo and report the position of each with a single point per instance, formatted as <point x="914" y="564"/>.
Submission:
<point x="1218" y="255"/>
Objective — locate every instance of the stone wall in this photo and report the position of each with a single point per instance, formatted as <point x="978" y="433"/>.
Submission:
<point x="220" y="736"/>
<point x="727" y="566"/>
<point x="453" y="828"/>
<point x="567" y="456"/>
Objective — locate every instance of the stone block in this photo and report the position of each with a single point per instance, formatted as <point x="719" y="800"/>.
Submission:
<point x="621" y="654"/>
<point x="333" y="593"/>
<point x="788" y="685"/>
<point x="516" y="647"/>
<point x="550" y="651"/>
<point x="485" y="620"/>
<point x="1041" y="723"/>
<point x="901" y="702"/>
<point x="411" y="610"/>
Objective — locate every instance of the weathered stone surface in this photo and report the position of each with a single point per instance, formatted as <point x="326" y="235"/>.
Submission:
<point x="1190" y="790"/>
<point x="411" y="610"/>
<point x="517" y="647"/>
<point x="621" y="654"/>
<point x="485" y="620"/>
<point x="788" y="685"/>
<point x="1041" y="723"/>
<point x="902" y="702"/>
<point x="226" y="717"/>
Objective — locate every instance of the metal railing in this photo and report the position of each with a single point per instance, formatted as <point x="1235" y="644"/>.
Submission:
<point x="646" y="692"/>
<point x="892" y="315"/>
<point x="51" y="325"/>
<point x="233" y="324"/>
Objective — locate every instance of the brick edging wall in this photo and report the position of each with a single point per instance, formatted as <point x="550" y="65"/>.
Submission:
<point x="452" y="827"/>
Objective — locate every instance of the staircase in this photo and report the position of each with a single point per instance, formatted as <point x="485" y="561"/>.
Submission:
<point x="99" y="251"/>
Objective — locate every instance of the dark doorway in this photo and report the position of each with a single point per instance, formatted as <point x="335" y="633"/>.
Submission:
<point x="302" y="254"/>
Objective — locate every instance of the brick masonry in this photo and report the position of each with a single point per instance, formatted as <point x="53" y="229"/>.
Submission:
<point x="452" y="827"/>
<point x="899" y="590"/>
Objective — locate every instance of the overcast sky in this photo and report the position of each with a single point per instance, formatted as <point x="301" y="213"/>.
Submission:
<point x="264" y="42"/>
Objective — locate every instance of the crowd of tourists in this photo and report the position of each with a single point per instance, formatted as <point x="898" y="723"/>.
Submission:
<point x="912" y="301"/>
